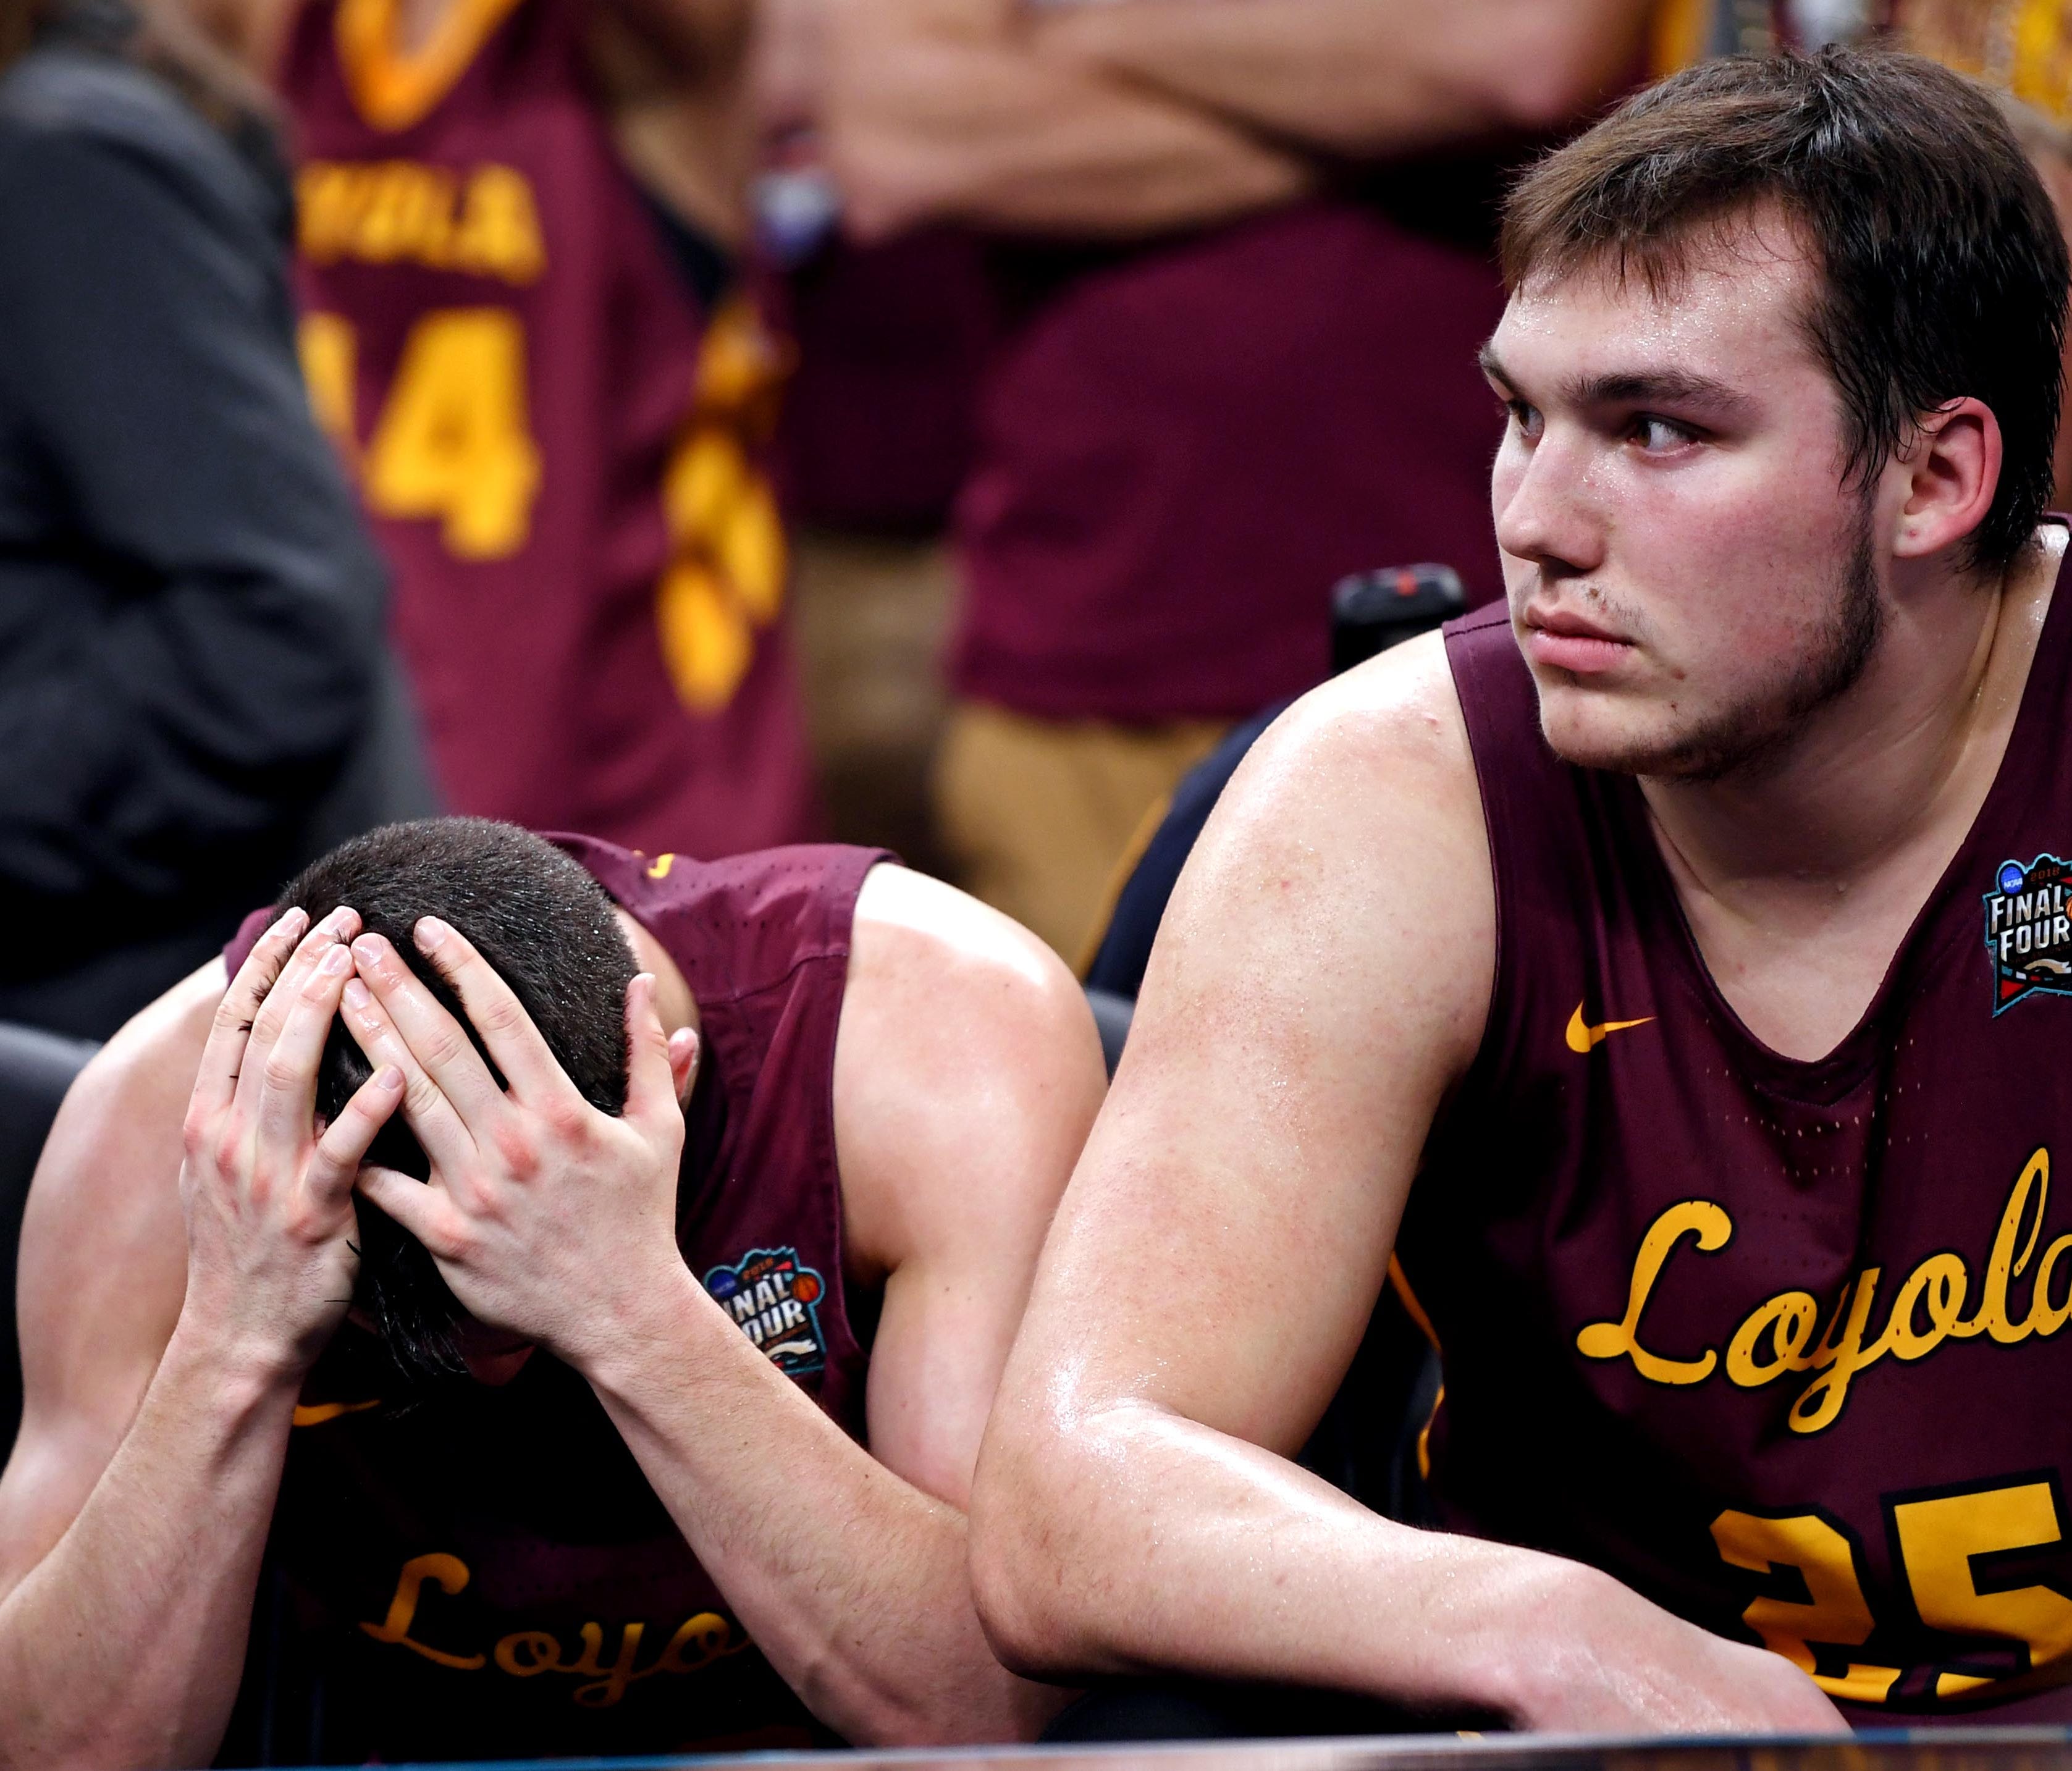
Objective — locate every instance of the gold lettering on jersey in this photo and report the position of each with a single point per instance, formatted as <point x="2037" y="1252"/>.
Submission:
<point x="483" y="221"/>
<point x="449" y="1574"/>
<point x="698" y="1642"/>
<point x="1698" y="1218"/>
<point x="1927" y="1308"/>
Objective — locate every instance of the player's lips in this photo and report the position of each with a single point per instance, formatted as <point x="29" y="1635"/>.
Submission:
<point x="1562" y="640"/>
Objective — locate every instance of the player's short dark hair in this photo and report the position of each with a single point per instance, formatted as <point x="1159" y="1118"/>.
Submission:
<point x="1943" y="269"/>
<point x="549" y="930"/>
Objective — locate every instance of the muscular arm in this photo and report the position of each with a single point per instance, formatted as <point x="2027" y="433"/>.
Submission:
<point x="1362" y="78"/>
<point x="967" y="1075"/>
<point x="102" y="1270"/>
<point x="135" y="1507"/>
<point x="942" y="110"/>
<point x="967" y="1072"/>
<point x="1320" y="981"/>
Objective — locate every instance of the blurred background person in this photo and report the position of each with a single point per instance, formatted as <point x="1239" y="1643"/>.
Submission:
<point x="874" y="439"/>
<point x="528" y="327"/>
<point x="193" y="696"/>
<point x="1242" y="252"/>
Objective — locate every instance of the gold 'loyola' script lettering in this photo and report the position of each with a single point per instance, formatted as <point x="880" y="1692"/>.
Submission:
<point x="526" y="1654"/>
<point x="449" y="1574"/>
<point x="1711" y="1225"/>
<point x="1777" y="1336"/>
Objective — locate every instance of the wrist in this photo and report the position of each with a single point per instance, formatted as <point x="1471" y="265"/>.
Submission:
<point x="1550" y="1643"/>
<point x="245" y="1374"/>
<point x="657" y="1327"/>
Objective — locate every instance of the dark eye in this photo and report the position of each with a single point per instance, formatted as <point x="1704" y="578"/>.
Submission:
<point x="1661" y="436"/>
<point x="1526" y="418"/>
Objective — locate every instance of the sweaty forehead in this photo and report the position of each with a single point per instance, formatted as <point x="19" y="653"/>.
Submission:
<point x="1732" y="311"/>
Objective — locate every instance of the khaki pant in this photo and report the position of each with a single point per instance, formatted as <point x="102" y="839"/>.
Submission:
<point x="1041" y="818"/>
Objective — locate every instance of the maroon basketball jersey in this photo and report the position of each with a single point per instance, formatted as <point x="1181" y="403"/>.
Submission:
<point x="560" y="453"/>
<point x="1780" y="1344"/>
<point x="1181" y="447"/>
<point x="484" y="1572"/>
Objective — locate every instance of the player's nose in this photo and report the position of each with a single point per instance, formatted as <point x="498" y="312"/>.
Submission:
<point x="1546" y="511"/>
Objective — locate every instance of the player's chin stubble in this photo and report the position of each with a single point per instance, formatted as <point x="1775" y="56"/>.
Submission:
<point x="1744" y="739"/>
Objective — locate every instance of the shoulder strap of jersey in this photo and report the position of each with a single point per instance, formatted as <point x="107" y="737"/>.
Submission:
<point x="1556" y="835"/>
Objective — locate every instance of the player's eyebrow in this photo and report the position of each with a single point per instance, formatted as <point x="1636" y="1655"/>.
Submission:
<point x="1652" y="387"/>
<point x="1640" y="387"/>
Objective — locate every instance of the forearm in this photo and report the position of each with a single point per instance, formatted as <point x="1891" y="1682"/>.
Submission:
<point x="1219" y="1559"/>
<point x="851" y="1581"/>
<point x="125" y="1644"/>
<point x="1360" y="78"/>
<point x="976" y="128"/>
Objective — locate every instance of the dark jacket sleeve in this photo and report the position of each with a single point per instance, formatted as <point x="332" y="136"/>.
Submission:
<point x="196" y="615"/>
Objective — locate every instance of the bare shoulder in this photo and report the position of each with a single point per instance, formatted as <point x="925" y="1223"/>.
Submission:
<point x="103" y="1264"/>
<point x="1350" y="842"/>
<point x="1380" y="749"/>
<point x="967" y="1054"/>
<point x="104" y="1210"/>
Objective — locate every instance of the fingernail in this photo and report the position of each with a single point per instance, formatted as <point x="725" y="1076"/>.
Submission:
<point x="290" y="925"/>
<point x="389" y="1077"/>
<point x="336" y="924"/>
<point x="335" y="961"/>
<point x="431" y="932"/>
<point x="357" y="995"/>
<point x="369" y="948"/>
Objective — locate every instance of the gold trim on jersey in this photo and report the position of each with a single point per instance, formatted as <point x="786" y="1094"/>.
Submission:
<point x="725" y="582"/>
<point x="392" y="90"/>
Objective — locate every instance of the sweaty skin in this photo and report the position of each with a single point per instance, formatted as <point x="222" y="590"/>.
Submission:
<point x="1322" y="977"/>
<point x="163" y="1351"/>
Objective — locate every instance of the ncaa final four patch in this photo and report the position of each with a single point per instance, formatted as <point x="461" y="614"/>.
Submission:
<point x="2028" y="930"/>
<point x="775" y="1297"/>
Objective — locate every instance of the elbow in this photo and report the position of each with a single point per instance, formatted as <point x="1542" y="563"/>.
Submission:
<point x="1021" y="1517"/>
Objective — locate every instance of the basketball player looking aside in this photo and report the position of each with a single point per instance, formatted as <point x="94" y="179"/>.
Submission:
<point x="1674" y="970"/>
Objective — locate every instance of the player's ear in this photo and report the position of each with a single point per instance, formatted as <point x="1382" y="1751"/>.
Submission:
<point x="1952" y="466"/>
<point x="684" y="1062"/>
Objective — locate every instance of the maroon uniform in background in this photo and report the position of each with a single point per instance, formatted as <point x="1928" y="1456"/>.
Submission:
<point x="1781" y="1346"/>
<point x="559" y="450"/>
<point x="877" y="429"/>
<point x="484" y="1572"/>
<point x="1181" y="447"/>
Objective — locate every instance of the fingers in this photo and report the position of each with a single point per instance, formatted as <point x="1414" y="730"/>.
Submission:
<point x="650" y="1090"/>
<point x="341" y="1150"/>
<point x="417" y="1208"/>
<point x="288" y="1071"/>
<point x="514" y="1042"/>
<point x="446" y="1141"/>
<point x="342" y="924"/>
<point x="438" y="1043"/>
<point x="222" y="1057"/>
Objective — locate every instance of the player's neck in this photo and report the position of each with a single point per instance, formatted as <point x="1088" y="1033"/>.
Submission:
<point x="1885" y="781"/>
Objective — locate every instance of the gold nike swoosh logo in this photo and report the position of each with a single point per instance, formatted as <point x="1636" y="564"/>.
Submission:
<point x="316" y="1414"/>
<point x="1582" y="1037"/>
